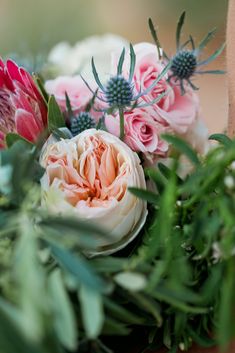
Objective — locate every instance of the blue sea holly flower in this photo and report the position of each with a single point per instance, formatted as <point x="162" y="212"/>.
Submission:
<point x="186" y="63"/>
<point x="81" y="121"/>
<point x="118" y="93"/>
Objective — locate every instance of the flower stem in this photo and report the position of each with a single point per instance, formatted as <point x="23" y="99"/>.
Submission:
<point x="122" y="129"/>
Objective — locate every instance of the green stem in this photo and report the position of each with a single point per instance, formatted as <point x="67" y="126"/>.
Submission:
<point x="122" y="129"/>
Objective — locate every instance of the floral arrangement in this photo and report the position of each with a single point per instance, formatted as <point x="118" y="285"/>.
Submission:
<point x="117" y="214"/>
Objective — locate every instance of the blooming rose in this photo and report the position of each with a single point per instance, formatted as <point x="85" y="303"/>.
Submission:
<point x="79" y="94"/>
<point x="178" y="111"/>
<point x="91" y="174"/>
<point x="22" y="108"/>
<point x="142" y="131"/>
<point x="69" y="60"/>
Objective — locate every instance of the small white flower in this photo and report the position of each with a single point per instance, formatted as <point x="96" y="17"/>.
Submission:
<point x="182" y="346"/>
<point x="232" y="165"/>
<point x="229" y="182"/>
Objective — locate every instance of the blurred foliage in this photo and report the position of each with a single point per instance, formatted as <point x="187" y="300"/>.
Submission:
<point x="176" y="282"/>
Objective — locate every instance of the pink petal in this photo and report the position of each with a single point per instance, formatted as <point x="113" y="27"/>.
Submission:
<point x="26" y="125"/>
<point x="13" y="70"/>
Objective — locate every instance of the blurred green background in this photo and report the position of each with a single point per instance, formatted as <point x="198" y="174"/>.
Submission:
<point x="31" y="26"/>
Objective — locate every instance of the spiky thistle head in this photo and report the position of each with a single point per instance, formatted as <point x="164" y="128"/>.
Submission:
<point x="184" y="64"/>
<point x="83" y="121"/>
<point x="118" y="92"/>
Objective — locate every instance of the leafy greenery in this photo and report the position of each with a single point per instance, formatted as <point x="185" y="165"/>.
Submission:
<point x="175" y="282"/>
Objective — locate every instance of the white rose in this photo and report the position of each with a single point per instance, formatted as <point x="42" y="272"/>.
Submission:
<point x="69" y="60"/>
<point x="88" y="176"/>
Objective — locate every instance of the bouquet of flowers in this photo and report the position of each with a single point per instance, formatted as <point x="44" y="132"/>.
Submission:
<point x="116" y="214"/>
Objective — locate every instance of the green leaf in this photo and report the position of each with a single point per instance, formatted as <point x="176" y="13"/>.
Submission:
<point x="120" y="62"/>
<point x="55" y="117"/>
<point x="157" y="178"/>
<point x="119" y="312"/>
<point x="223" y="139"/>
<point x="179" y="29"/>
<point x="41" y="88"/>
<point x="131" y="281"/>
<point x="226" y="308"/>
<point x="213" y="72"/>
<point x="12" y="137"/>
<point x="149" y="305"/>
<point x="92" y="311"/>
<point x="11" y="339"/>
<point x="68" y="105"/>
<point x="213" y="56"/>
<point x="146" y="195"/>
<point x="206" y="40"/>
<point x="78" y="267"/>
<point x="132" y="63"/>
<point x="155" y="37"/>
<point x="64" y="317"/>
<point x="183" y="147"/>
<point x="115" y="328"/>
<point x="95" y="74"/>
<point x="30" y="279"/>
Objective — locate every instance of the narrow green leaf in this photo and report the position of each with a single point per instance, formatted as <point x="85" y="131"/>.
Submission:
<point x="206" y="40"/>
<point x="12" y="137"/>
<point x="33" y="306"/>
<point x="157" y="177"/>
<point x="132" y="63"/>
<point x="95" y="74"/>
<point x="121" y="313"/>
<point x="78" y="267"/>
<point x="223" y="139"/>
<point x="55" y="117"/>
<point x="92" y="311"/>
<point x="120" y="62"/>
<point x="68" y="105"/>
<point x="183" y="147"/>
<point x="179" y="29"/>
<point x="213" y="72"/>
<point x="146" y="195"/>
<point x="155" y="37"/>
<point x="64" y="317"/>
<point x="41" y="88"/>
<point x="115" y="328"/>
<point x="150" y="305"/>
<point x="226" y="307"/>
<point x="213" y="56"/>
<point x="11" y="339"/>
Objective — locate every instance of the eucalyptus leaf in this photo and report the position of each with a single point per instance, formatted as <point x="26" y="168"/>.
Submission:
<point x="64" y="317"/>
<point x="92" y="311"/>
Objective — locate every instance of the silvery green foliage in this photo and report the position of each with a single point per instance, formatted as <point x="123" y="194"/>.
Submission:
<point x="176" y="282"/>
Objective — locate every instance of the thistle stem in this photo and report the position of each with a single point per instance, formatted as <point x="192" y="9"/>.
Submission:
<point x="122" y="129"/>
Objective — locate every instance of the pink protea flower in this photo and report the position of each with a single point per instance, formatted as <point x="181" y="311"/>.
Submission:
<point x="22" y="108"/>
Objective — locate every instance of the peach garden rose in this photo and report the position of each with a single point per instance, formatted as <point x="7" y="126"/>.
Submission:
<point x="91" y="174"/>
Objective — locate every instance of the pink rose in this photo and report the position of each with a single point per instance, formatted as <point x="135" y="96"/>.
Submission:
<point x="76" y="89"/>
<point x="88" y="176"/>
<point x="142" y="131"/>
<point x="178" y="111"/>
